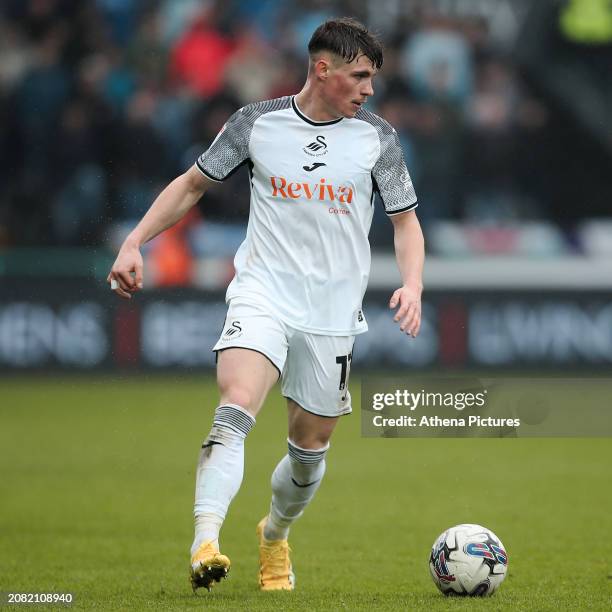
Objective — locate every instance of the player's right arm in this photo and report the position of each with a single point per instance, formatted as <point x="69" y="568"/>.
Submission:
<point x="171" y="205"/>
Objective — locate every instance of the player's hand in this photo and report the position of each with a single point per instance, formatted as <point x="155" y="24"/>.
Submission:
<point x="407" y="300"/>
<point x="125" y="277"/>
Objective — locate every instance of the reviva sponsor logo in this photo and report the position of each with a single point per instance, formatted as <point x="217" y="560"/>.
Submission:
<point x="322" y="191"/>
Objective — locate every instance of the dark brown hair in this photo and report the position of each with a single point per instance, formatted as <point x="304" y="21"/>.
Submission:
<point x="347" y="38"/>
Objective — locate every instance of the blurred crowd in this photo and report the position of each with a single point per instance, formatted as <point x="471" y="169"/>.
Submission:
<point x="102" y="102"/>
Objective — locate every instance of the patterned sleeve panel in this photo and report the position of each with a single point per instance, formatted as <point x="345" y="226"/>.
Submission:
<point x="390" y="174"/>
<point x="230" y="149"/>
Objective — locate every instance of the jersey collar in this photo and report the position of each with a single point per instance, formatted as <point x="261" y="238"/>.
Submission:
<point x="303" y="117"/>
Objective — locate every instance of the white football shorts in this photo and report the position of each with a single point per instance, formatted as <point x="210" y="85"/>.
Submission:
<point x="314" y="369"/>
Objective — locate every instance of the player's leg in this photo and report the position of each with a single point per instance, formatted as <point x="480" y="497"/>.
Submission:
<point x="295" y="481"/>
<point x="315" y="383"/>
<point x="244" y="378"/>
<point x="300" y="472"/>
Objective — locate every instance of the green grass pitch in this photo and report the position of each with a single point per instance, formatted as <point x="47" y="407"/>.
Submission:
<point x="96" y="492"/>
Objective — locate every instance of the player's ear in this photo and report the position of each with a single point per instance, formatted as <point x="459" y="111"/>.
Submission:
<point x="321" y="66"/>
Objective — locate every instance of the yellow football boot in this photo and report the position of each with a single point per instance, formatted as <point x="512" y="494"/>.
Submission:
<point x="208" y="565"/>
<point x="275" y="572"/>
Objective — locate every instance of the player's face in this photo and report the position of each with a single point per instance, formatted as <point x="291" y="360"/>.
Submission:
<point x="348" y="86"/>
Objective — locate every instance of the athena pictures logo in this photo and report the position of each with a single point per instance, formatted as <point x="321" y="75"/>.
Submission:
<point x="317" y="147"/>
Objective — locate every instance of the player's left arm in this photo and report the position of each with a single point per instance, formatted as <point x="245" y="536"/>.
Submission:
<point x="410" y="254"/>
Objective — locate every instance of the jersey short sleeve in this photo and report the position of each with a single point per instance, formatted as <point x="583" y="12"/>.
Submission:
<point x="230" y="149"/>
<point x="391" y="177"/>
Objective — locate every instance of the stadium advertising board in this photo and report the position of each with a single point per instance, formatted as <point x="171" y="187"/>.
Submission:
<point x="64" y="328"/>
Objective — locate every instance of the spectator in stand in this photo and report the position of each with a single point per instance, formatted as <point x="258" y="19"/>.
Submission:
<point x="40" y="99"/>
<point x="437" y="65"/>
<point x="146" y="55"/>
<point x="252" y="69"/>
<point x="290" y="76"/>
<point x="121" y="17"/>
<point x="200" y="55"/>
<point x="499" y="116"/>
<point x="141" y="157"/>
<point x="87" y="133"/>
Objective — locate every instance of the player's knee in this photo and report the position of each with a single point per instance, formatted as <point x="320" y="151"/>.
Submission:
<point x="239" y="395"/>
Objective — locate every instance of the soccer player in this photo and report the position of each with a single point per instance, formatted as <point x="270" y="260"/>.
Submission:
<point x="315" y="160"/>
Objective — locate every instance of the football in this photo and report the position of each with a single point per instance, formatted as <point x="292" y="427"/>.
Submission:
<point x="468" y="560"/>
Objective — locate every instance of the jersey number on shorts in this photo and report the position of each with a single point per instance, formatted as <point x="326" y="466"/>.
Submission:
<point x="345" y="363"/>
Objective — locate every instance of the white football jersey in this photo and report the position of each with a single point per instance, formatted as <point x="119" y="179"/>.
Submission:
<point x="306" y="255"/>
